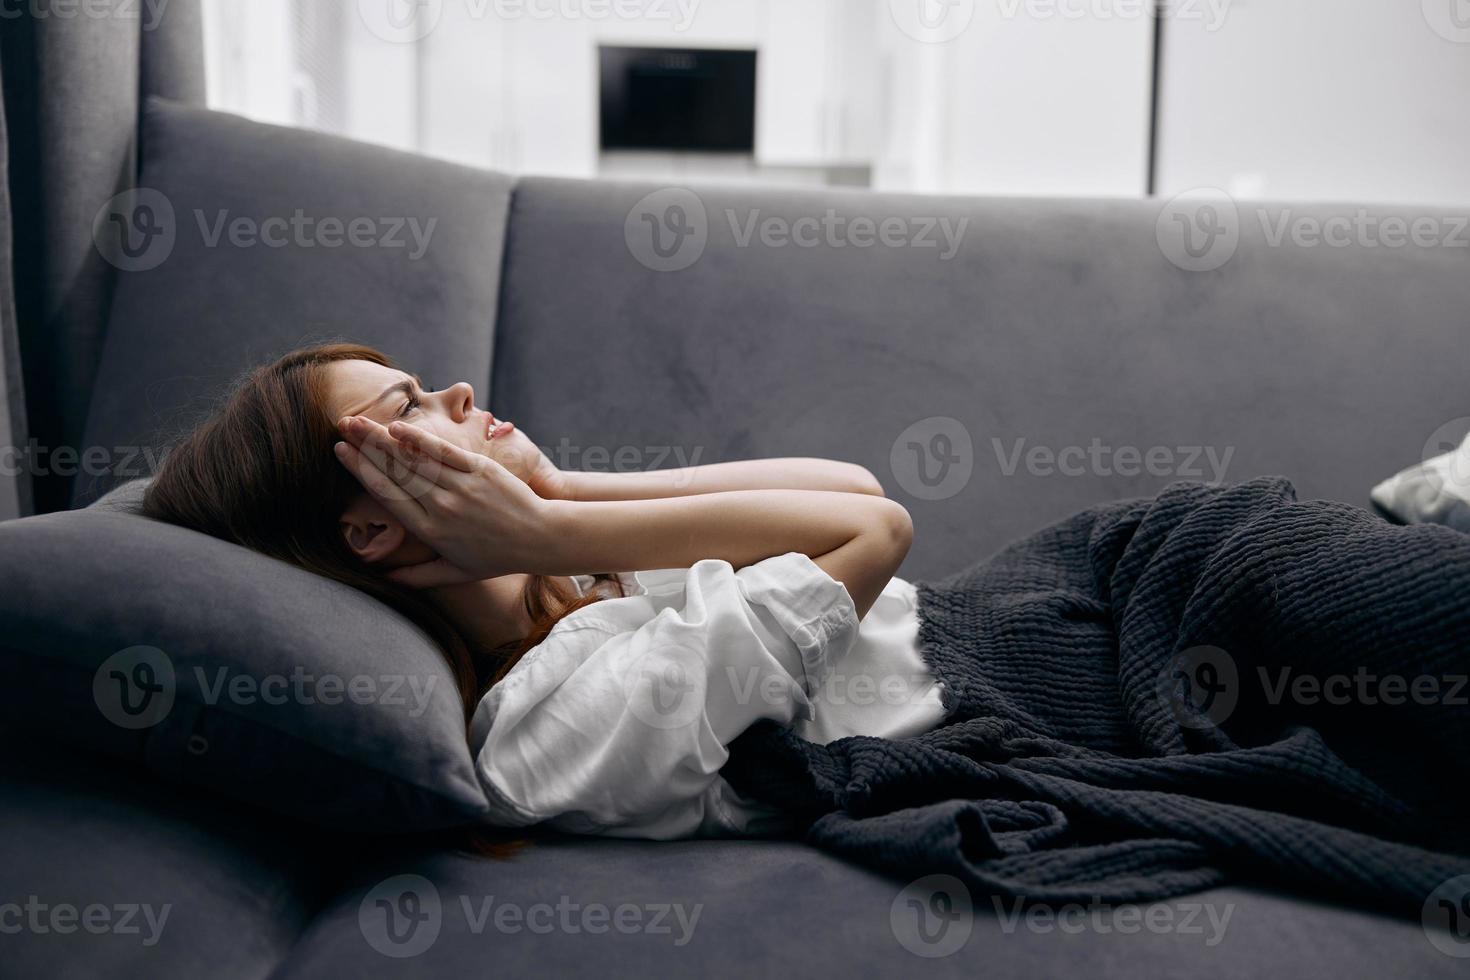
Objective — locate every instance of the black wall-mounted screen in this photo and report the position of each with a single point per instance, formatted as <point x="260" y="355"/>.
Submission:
<point x="677" y="99"/>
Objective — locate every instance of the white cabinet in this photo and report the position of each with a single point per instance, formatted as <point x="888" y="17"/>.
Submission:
<point x="817" y="92"/>
<point x="514" y="94"/>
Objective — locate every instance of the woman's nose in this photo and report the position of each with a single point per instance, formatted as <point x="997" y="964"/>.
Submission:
<point x="461" y="400"/>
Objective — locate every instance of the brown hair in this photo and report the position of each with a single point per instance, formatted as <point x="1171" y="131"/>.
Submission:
<point x="260" y="472"/>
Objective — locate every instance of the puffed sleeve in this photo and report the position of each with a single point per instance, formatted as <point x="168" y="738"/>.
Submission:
<point x="617" y="723"/>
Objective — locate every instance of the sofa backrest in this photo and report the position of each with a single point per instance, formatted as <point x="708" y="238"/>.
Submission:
<point x="1081" y="350"/>
<point x="270" y="238"/>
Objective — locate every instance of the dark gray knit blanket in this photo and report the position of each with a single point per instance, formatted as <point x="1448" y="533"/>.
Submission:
<point x="1132" y="712"/>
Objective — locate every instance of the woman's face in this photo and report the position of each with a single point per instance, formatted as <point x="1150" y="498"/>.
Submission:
<point x="386" y="395"/>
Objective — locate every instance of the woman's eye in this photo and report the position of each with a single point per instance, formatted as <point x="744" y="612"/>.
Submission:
<point x="408" y="407"/>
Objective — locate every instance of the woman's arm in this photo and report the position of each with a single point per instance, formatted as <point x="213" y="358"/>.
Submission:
<point x="792" y="473"/>
<point x="486" y="522"/>
<point x="858" y="539"/>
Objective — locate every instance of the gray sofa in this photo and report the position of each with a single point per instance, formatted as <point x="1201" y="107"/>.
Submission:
<point x="1055" y="326"/>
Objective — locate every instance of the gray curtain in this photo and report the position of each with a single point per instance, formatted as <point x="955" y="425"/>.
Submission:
<point x="73" y="77"/>
<point x="15" y="492"/>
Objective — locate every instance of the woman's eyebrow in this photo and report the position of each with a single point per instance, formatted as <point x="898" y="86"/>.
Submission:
<point x="405" y="388"/>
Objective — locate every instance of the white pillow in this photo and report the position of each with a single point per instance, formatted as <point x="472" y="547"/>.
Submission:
<point x="1434" y="492"/>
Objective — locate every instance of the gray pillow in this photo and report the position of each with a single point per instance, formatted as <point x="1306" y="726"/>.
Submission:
<point x="214" y="666"/>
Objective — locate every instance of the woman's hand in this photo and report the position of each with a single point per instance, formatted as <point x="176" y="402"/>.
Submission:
<point x="517" y="453"/>
<point x="476" y="514"/>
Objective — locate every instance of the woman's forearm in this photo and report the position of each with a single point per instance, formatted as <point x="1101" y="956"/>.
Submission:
<point x="858" y="539"/>
<point x="794" y="473"/>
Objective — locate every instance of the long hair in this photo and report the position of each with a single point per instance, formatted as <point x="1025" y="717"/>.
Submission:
<point x="260" y="472"/>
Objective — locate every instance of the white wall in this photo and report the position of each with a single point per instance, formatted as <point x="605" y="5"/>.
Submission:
<point x="1354" y="100"/>
<point x="1025" y="100"/>
<point x="1288" y="99"/>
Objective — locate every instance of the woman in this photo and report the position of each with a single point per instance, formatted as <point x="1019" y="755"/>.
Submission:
<point x="727" y="593"/>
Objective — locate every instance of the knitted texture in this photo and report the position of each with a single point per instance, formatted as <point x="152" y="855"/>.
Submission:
<point x="1131" y="711"/>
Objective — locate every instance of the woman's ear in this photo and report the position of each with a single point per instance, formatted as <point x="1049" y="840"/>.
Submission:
<point x="371" y="531"/>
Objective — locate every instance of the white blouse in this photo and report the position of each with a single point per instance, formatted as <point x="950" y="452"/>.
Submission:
<point x="618" y="722"/>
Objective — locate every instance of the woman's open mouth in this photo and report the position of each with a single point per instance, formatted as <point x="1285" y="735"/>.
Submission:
<point x="494" y="427"/>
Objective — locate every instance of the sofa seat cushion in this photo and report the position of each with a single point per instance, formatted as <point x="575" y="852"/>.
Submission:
<point x="581" y="907"/>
